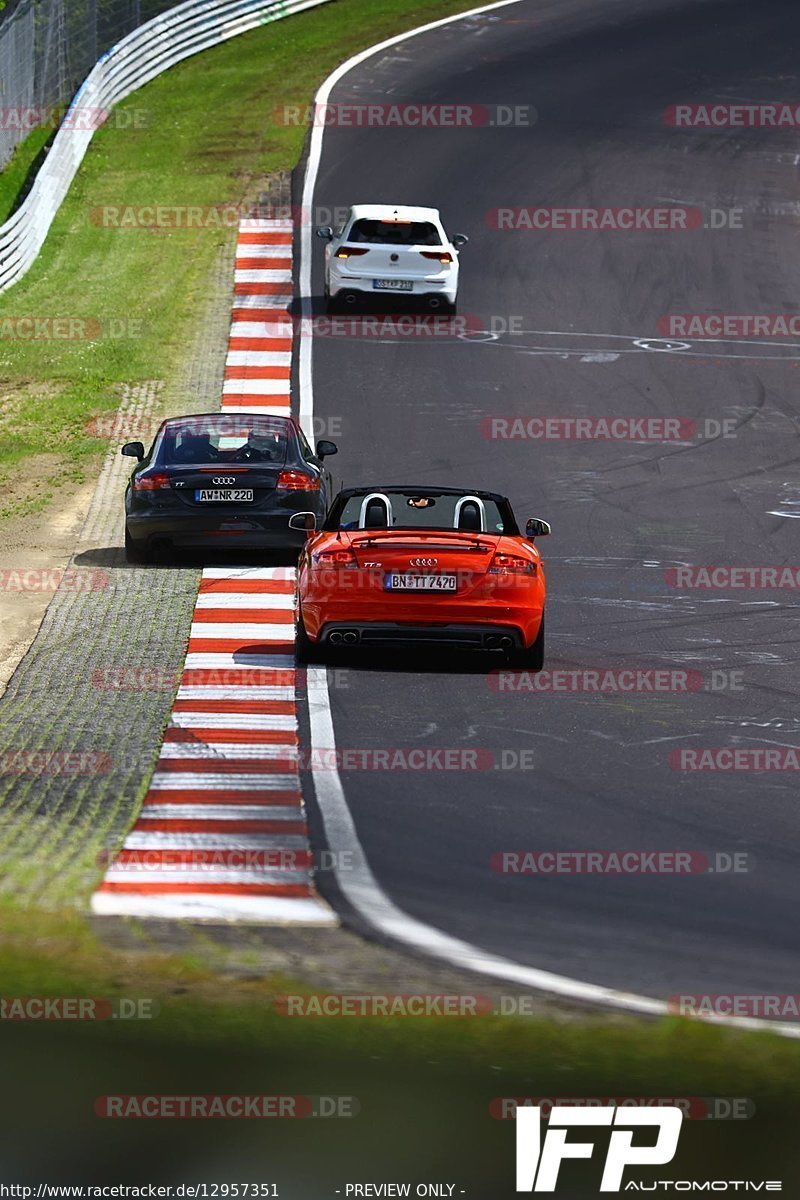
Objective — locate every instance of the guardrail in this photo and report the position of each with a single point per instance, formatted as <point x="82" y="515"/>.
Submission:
<point x="169" y="38"/>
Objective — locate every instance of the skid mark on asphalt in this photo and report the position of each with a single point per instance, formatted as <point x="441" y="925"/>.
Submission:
<point x="222" y="833"/>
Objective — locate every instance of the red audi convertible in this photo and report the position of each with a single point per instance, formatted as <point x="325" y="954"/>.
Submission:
<point x="420" y="566"/>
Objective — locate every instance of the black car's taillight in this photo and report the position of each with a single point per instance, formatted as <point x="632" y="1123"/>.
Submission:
<point x="298" y="481"/>
<point x="151" y="481"/>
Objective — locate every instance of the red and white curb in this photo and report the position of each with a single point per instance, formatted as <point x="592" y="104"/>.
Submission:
<point x="222" y="833"/>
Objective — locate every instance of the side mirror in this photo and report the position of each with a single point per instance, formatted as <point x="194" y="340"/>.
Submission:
<point x="303" y="520"/>
<point x="325" y="449"/>
<point x="133" y="450"/>
<point x="325" y="232"/>
<point x="459" y="240"/>
<point x="535" y="527"/>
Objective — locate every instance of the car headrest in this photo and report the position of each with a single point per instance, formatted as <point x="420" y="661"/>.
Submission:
<point x="470" y="514"/>
<point x="376" y="512"/>
<point x="376" y="515"/>
<point x="470" y="517"/>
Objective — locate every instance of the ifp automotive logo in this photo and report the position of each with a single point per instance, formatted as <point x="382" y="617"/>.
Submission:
<point x="539" y="1160"/>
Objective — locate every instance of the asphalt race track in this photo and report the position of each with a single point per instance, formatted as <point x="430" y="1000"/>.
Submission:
<point x="587" y="307"/>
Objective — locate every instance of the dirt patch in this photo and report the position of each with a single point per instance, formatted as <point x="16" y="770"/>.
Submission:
<point x="29" y="489"/>
<point x="34" y="550"/>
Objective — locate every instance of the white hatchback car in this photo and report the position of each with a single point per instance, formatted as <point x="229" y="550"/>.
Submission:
<point x="397" y="249"/>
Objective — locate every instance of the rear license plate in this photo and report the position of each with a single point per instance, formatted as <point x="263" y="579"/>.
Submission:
<point x="226" y="495"/>
<point x="393" y="285"/>
<point x="420" y="583"/>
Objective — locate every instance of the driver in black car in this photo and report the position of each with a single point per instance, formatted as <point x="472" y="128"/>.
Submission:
<point x="261" y="448"/>
<point x="195" y="448"/>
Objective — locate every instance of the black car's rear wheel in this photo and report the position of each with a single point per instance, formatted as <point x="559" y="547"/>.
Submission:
<point x="134" y="553"/>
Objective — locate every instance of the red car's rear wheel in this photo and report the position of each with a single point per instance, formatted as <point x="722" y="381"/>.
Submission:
<point x="532" y="658"/>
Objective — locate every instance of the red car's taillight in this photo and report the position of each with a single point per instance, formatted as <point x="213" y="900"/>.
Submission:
<point x="442" y="256"/>
<point x="350" y="252"/>
<point x="298" y="481"/>
<point x="511" y="564"/>
<point x="335" y="558"/>
<point x="151" y="481"/>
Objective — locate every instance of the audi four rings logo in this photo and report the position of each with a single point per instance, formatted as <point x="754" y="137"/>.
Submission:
<point x="422" y="562"/>
<point x="229" y="479"/>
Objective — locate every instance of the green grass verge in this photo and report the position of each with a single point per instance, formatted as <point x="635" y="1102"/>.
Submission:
<point x="202" y="134"/>
<point x="430" y="1078"/>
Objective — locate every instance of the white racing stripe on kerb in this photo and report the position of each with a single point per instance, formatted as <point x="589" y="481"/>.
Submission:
<point x="357" y="883"/>
<point x="264" y="275"/>
<point x="215" y="841"/>
<point x="191" y="906"/>
<point x="262" y="329"/>
<point x="266" y="224"/>
<point x="222" y="781"/>
<point x="254" y="632"/>
<point x="269" y="410"/>
<point x="258" y="250"/>
<point x="151" y="874"/>
<point x="208" y="750"/>
<point x="255" y="387"/>
<point x="245" y="600"/>
<point x="202" y="691"/>
<point x="229" y="720"/>
<point x="276" y="302"/>
<point x="283" y="574"/>
<point x="258" y="358"/>
<point x="240" y="660"/>
<point x="226" y="812"/>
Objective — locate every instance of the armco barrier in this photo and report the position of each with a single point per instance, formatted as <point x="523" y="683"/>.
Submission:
<point x="152" y="48"/>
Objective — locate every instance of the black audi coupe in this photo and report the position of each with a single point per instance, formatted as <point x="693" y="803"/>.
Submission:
<point x="224" y="480"/>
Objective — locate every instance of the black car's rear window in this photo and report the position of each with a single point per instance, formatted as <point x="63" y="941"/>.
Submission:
<point x="395" y="233"/>
<point x="220" y="439"/>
